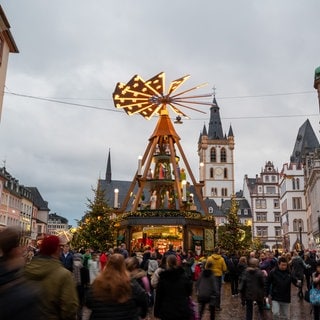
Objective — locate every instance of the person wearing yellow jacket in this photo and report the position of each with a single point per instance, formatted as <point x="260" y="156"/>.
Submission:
<point x="218" y="268"/>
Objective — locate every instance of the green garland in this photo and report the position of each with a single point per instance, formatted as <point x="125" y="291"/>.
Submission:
<point x="163" y="213"/>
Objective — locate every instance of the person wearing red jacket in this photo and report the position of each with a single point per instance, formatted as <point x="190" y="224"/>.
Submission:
<point x="103" y="261"/>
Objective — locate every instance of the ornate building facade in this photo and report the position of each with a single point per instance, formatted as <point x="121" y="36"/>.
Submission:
<point x="216" y="157"/>
<point x="262" y="193"/>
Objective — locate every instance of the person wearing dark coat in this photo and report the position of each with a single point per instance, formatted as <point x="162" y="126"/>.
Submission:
<point x="173" y="292"/>
<point x="279" y="287"/>
<point x="298" y="266"/>
<point x="252" y="288"/>
<point x="66" y="257"/>
<point x="232" y="265"/>
<point x="18" y="296"/>
<point x="310" y="259"/>
<point x="242" y="266"/>
<point x="170" y="251"/>
<point x="113" y="295"/>
<point x="207" y="291"/>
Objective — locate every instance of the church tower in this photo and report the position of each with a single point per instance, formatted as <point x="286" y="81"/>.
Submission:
<point x="216" y="158"/>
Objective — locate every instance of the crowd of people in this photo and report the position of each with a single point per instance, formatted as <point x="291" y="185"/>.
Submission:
<point x="59" y="282"/>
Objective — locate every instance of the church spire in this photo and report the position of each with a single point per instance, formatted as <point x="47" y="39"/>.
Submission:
<point x="230" y="134"/>
<point x="215" y="126"/>
<point x="108" y="171"/>
<point x="306" y="142"/>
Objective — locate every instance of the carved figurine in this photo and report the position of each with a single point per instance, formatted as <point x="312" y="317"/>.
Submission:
<point x="153" y="200"/>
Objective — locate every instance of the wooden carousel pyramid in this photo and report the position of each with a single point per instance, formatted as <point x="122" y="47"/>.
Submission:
<point x="160" y="175"/>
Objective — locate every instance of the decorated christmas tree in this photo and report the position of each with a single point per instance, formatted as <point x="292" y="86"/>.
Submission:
<point x="95" y="229"/>
<point x="234" y="236"/>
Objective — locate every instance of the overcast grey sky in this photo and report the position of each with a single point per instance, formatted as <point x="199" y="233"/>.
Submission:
<point x="76" y="51"/>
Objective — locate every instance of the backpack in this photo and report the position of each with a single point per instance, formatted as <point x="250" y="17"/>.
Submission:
<point x="297" y="268"/>
<point x="232" y="264"/>
<point x="144" y="285"/>
<point x="152" y="266"/>
<point x="144" y="265"/>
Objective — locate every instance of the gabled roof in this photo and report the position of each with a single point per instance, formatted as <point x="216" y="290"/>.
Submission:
<point x="306" y="142"/>
<point x="109" y="186"/>
<point x="38" y="200"/>
<point x="243" y="205"/>
<point x="210" y="203"/>
<point x="55" y="217"/>
<point x="252" y="184"/>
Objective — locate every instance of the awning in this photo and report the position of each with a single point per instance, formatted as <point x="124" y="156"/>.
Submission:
<point x="197" y="238"/>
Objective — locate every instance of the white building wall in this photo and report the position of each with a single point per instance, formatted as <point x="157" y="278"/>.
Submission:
<point x="312" y="193"/>
<point x="218" y="183"/>
<point x="294" y="209"/>
<point x="263" y="197"/>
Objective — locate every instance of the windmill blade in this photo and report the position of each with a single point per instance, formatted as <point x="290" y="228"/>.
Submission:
<point x="193" y="102"/>
<point x="191" y="89"/>
<point x="177" y="111"/>
<point x="182" y="105"/>
<point x="157" y="83"/>
<point x="148" y="98"/>
<point x="175" y="84"/>
<point x="192" y="97"/>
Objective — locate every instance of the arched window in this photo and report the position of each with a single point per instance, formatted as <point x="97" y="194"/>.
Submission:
<point x="213" y="155"/>
<point x="214" y="192"/>
<point x="225" y="173"/>
<point x="223" y="155"/>
<point x="224" y="192"/>
<point x="298" y="183"/>
<point x="211" y="172"/>
<point x="293" y="184"/>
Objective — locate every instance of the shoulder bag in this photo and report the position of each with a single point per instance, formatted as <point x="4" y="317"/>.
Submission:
<point x="314" y="296"/>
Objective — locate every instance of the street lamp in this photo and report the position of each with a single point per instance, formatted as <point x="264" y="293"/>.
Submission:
<point x="300" y="232"/>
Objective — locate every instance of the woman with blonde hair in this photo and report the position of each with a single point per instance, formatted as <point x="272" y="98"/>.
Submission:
<point x="114" y="295"/>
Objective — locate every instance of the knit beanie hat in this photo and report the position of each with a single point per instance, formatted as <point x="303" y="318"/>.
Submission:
<point x="49" y="245"/>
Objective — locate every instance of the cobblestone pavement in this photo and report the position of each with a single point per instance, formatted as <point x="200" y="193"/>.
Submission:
<point x="232" y="308"/>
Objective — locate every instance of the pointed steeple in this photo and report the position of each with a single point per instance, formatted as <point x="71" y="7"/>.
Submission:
<point x="200" y="136"/>
<point x="204" y="131"/>
<point x="215" y="126"/>
<point x="230" y="134"/>
<point x="108" y="171"/>
<point x="306" y="142"/>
